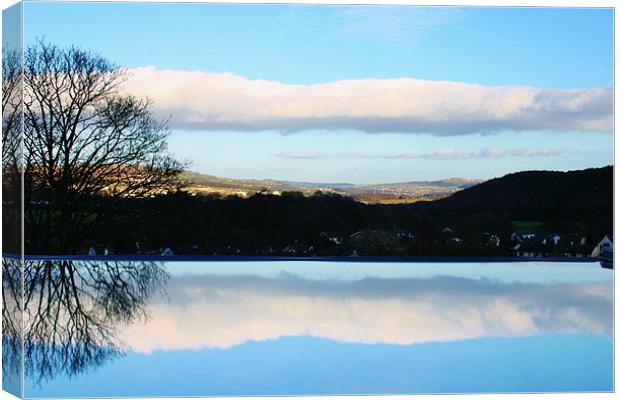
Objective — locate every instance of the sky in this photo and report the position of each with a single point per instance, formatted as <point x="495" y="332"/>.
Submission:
<point x="360" y="94"/>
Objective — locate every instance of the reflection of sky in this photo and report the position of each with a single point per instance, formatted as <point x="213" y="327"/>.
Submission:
<point x="368" y="303"/>
<point x="306" y="365"/>
<point x="320" y="327"/>
<point x="525" y="272"/>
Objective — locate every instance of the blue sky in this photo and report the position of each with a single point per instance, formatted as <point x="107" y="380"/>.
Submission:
<point x="549" y="50"/>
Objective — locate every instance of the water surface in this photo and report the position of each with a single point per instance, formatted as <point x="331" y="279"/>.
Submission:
<point x="102" y="329"/>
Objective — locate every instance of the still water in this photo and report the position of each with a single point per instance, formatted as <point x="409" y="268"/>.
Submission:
<point x="105" y="329"/>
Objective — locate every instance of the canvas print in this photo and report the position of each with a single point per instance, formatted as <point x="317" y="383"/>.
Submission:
<point x="205" y="199"/>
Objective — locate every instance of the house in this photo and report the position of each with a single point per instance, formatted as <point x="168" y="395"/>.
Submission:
<point x="532" y="250"/>
<point x="522" y="235"/>
<point x="490" y="239"/>
<point x="605" y="243"/>
<point x="550" y="245"/>
<point x="555" y="239"/>
<point x="298" y="248"/>
<point x="531" y="244"/>
<point x="573" y="245"/>
<point x="449" y="236"/>
<point x="404" y="234"/>
<point x="332" y="237"/>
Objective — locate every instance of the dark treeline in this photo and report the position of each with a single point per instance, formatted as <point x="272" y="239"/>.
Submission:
<point x="293" y="224"/>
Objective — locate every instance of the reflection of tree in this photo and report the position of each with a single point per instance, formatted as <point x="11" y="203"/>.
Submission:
<point x="11" y="317"/>
<point x="72" y="311"/>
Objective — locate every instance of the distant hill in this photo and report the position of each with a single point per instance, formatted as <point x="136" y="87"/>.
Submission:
<point x="582" y="194"/>
<point x="385" y="193"/>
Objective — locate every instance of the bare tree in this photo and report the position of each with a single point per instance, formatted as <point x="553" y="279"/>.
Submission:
<point x="73" y="311"/>
<point x="11" y="106"/>
<point x="11" y="147"/>
<point x="87" y="145"/>
<point x="12" y="317"/>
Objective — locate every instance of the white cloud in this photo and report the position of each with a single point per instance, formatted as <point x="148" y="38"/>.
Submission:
<point x="222" y="312"/>
<point x="218" y="101"/>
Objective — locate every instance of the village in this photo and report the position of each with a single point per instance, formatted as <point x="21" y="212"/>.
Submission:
<point x="526" y="244"/>
<point x="521" y="243"/>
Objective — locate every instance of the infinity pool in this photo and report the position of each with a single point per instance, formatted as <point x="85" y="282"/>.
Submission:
<point x="119" y="328"/>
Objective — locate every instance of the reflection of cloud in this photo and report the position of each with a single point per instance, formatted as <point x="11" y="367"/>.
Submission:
<point x="444" y="154"/>
<point x="216" y="101"/>
<point x="217" y="311"/>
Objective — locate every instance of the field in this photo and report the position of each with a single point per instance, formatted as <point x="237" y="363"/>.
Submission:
<point x="533" y="225"/>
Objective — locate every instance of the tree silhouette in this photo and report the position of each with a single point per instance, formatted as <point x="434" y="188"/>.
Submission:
<point x="11" y="147"/>
<point x="84" y="140"/>
<point x="73" y="309"/>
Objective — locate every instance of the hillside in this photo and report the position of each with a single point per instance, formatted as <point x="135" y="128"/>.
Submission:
<point x="583" y="194"/>
<point x="385" y="193"/>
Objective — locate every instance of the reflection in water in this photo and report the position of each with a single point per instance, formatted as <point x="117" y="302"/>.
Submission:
<point x="284" y="323"/>
<point x="372" y="310"/>
<point x="11" y="325"/>
<point x="73" y="310"/>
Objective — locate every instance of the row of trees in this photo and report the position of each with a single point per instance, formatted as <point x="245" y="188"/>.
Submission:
<point x="266" y="224"/>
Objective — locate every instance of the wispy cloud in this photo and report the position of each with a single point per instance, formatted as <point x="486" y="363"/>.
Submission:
<point x="489" y="153"/>
<point x="303" y="155"/>
<point x="443" y="154"/>
<point x="223" y="101"/>
<point x="401" y="24"/>
<point x="534" y="152"/>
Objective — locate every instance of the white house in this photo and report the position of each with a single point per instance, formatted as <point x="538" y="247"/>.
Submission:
<point x="520" y="236"/>
<point x="332" y="237"/>
<point x="605" y="242"/>
<point x="491" y="239"/>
